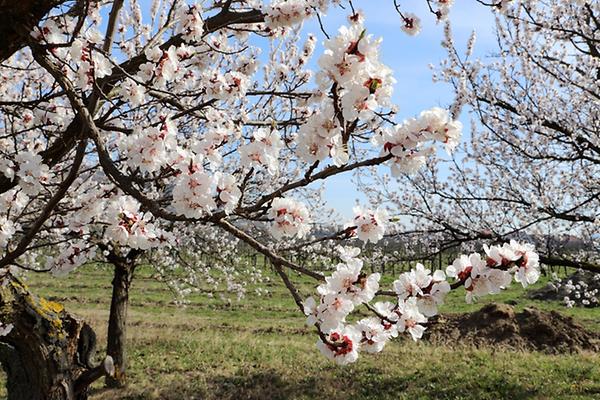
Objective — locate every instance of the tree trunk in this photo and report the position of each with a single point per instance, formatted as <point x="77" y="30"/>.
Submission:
<point x="17" y="17"/>
<point x="47" y="353"/>
<point x="117" y="323"/>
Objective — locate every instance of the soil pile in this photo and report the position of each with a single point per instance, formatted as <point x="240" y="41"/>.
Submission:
<point x="499" y="325"/>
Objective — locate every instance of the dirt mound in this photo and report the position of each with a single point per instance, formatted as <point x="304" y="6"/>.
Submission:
<point x="499" y="325"/>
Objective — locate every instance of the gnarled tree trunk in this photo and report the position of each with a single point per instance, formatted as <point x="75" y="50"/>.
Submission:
<point x="117" y="322"/>
<point x="17" y="17"/>
<point x="47" y="353"/>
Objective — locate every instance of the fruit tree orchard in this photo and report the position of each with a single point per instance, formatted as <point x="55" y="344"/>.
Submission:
<point x="127" y="126"/>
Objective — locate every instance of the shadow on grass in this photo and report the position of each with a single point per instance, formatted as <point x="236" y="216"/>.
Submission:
<point x="333" y="384"/>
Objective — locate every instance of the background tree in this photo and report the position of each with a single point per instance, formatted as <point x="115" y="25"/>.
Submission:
<point x="531" y="164"/>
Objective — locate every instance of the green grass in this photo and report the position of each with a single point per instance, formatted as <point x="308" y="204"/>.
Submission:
<point x="259" y="348"/>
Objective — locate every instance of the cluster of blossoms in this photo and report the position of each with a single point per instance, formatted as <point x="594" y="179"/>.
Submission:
<point x="191" y="25"/>
<point x="419" y="293"/>
<point x="88" y="64"/>
<point x="321" y="137"/>
<point x="285" y="13"/>
<point x="263" y="150"/>
<point x="411" y="24"/>
<point x="406" y="142"/>
<point x="30" y="170"/>
<point x="50" y="115"/>
<point x="91" y="64"/>
<point x="359" y="86"/>
<point x="14" y="202"/>
<point x="133" y="228"/>
<point x="526" y="260"/>
<point x="73" y="256"/>
<point x="290" y="218"/>
<point x="197" y="192"/>
<point x="152" y="148"/>
<point x="478" y="278"/>
<point x="49" y="32"/>
<point x="193" y="190"/>
<point x="228" y="86"/>
<point x="370" y="225"/>
<point x="161" y="68"/>
<point x="347" y="288"/>
<point x="443" y="8"/>
<point x="350" y="63"/>
<point x="504" y="6"/>
<point x="228" y="191"/>
<point x="427" y="290"/>
<point x="220" y="131"/>
<point x="132" y="92"/>
<point x="492" y="274"/>
<point x="7" y="229"/>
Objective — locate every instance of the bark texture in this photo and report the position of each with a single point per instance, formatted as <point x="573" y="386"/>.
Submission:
<point x="17" y="17"/>
<point x="117" y="323"/>
<point x="47" y="355"/>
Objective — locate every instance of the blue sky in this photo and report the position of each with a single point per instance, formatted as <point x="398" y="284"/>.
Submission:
<point x="410" y="58"/>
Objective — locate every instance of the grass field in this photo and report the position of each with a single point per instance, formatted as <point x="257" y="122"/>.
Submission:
<point x="259" y="348"/>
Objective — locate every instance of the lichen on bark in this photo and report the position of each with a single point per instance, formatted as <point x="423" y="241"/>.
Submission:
<point x="42" y="354"/>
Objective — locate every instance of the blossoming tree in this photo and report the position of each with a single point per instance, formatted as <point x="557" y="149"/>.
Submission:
<point x="530" y="168"/>
<point x="123" y="127"/>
